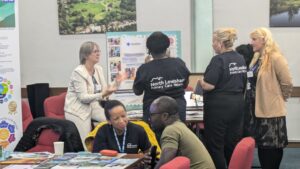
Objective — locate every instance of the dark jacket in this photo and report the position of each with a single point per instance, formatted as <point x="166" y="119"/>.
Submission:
<point x="65" y="128"/>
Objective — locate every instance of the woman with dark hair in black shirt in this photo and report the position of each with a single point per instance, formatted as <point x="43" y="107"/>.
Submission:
<point x="163" y="76"/>
<point x="119" y="134"/>
<point x="223" y="84"/>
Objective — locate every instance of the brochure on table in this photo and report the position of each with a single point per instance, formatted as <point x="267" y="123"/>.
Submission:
<point x="44" y="160"/>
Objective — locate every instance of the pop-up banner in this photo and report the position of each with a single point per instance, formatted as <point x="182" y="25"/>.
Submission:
<point x="10" y="87"/>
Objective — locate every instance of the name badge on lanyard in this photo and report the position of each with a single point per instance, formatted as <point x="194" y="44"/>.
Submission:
<point x="97" y="87"/>
<point x="248" y="86"/>
<point x="250" y="73"/>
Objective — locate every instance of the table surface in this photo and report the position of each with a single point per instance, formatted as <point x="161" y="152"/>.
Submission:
<point x="127" y="156"/>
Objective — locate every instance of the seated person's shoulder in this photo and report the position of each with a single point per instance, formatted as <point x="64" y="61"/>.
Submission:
<point x="104" y="128"/>
<point x="174" y="128"/>
<point x="136" y="127"/>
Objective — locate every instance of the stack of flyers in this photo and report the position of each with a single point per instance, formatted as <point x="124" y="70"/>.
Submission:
<point x="82" y="159"/>
<point x="45" y="165"/>
<point x="31" y="155"/>
<point x="102" y="161"/>
<point x="66" y="166"/>
<point x="63" y="158"/>
<point x="121" y="163"/>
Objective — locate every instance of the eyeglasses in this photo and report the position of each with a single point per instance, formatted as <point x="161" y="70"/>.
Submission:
<point x="163" y="113"/>
<point x="96" y="51"/>
<point x="151" y="114"/>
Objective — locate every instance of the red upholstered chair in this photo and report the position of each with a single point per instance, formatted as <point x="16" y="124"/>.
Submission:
<point x="26" y="114"/>
<point x="179" y="162"/>
<point x="54" y="106"/>
<point x="242" y="156"/>
<point x="45" y="141"/>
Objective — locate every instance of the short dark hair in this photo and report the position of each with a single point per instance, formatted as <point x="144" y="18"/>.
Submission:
<point x="157" y="43"/>
<point x="247" y="51"/>
<point x="110" y="104"/>
<point x="166" y="104"/>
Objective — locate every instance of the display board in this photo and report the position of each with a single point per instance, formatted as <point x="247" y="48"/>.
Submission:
<point x="10" y="87"/>
<point x="127" y="51"/>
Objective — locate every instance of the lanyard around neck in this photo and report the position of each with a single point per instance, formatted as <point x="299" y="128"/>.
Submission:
<point x="255" y="66"/>
<point x="117" y="140"/>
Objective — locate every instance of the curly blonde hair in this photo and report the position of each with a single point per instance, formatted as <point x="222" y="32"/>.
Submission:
<point x="226" y="36"/>
<point x="270" y="46"/>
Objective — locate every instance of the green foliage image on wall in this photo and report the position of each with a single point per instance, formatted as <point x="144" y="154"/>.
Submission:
<point x="96" y="16"/>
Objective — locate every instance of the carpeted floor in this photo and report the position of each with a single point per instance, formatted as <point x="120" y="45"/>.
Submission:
<point x="291" y="159"/>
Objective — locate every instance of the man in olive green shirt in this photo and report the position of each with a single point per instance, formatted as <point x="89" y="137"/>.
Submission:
<point x="176" y="138"/>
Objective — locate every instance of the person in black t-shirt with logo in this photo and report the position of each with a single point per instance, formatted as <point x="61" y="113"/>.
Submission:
<point x="119" y="134"/>
<point x="163" y="76"/>
<point x="223" y="84"/>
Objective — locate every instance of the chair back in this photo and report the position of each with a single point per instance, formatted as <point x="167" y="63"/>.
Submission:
<point x="26" y="114"/>
<point x="43" y="131"/>
<point x="54" y="106"/>
<point x="242" y="156"/>
<point x="179" y="162"/>
<point x="45" y="141"/>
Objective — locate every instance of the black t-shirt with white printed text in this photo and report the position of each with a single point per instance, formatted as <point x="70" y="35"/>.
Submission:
<point x="161" y="77"/>
<point x="227" y="72"/>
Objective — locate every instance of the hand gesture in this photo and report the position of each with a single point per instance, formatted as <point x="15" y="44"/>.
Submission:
<point x="120" y="77"/>
<point x="110" y="89"/>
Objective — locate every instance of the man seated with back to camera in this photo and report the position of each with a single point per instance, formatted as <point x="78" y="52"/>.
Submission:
<point x="176" y="138"/>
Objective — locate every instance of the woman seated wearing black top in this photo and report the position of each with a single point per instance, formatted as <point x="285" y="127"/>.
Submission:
<point x="119" y="134"/>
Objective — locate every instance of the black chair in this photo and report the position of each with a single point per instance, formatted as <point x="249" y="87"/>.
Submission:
<point x="36" y="94"/>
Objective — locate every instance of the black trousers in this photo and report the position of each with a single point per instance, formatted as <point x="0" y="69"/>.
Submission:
<point x="223" y="121"/>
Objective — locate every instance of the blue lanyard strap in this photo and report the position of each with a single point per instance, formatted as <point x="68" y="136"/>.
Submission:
<point x="117" y="140"/>
<point x="254" y="67"/>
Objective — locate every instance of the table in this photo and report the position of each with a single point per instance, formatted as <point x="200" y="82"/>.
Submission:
<point x="136" y="164"/>
<point x="194" y="120"/>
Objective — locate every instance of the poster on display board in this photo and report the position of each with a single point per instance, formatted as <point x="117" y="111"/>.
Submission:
<point x="10" y="87"/>
<point x="126" y="52"/>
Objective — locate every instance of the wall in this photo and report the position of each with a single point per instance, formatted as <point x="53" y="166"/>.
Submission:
<point x="48" y="57"/>
<point x="246" y="15"/>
